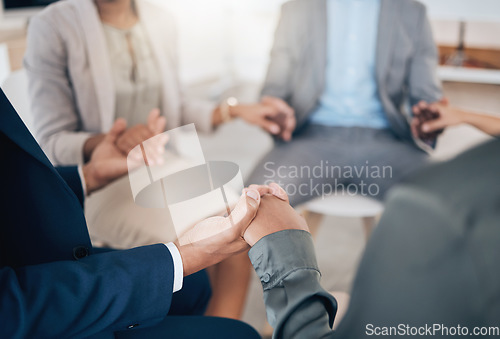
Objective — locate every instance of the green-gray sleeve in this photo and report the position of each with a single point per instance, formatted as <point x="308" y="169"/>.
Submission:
<point x="297" y="306"/>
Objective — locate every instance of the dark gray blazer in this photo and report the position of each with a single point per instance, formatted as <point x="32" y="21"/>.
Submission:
<point x="433" y="259"/>
<point x="406" y="58"/>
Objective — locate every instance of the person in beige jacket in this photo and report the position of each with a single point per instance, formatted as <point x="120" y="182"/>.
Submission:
<point x="91" y="62"/>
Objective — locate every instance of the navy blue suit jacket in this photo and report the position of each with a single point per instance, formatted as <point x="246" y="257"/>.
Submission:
<point x="52" y="283"/>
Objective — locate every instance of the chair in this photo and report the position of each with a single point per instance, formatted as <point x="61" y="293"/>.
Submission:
<point x="346" y="205"/>
<point x="15" y="88"/>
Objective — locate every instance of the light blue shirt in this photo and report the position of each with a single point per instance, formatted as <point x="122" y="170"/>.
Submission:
<point x="351" y="97"/>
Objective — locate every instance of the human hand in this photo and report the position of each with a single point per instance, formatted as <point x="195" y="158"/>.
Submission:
<point x="217" y="238"/>
<point x="137" y="134"/>
<point x="275" y="214"/>
<point x="448" y="116"/>
<point x="272" y="114"/>
<point x="107" y="162"/>
<point x="429" y="114"/>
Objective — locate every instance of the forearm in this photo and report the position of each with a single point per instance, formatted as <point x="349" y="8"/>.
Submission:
<point x="90" y="184"/>
<point x="217" y="117"/>
<point x="297" y="306"/>
<point x="226" y="112"/>
<point x="196" y="257"/>
<point x="56" y="117"/>
<point x="90" y="145"/>
<point x="85" y="296"/>
<point x="222" y="114"/>
<point x="486" y="123"/>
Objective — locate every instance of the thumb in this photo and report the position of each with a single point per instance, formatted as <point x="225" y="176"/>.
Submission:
<point x="153" y="119"/>
<point x="245" y="210"/>
<point x="433" y="125"/>
<point x="161" y="123"/>
<point x="270" y="126"/>
<point x="118" y="128"/>
<point x="280" y="104"/>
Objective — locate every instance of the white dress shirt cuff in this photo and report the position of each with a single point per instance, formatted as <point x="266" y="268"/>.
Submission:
<point x="82" y="179"/>
<point x="178" y="268"/>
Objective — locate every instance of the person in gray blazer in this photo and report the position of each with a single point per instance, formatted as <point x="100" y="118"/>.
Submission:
<point x="350" y="70"/>
<point x="90" y="62"/>
<point x="430" y="269"/>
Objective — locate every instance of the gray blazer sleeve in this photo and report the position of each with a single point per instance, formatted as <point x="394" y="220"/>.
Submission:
<point x="278" y="82"/>
<point x="52" y="99"/>
<point x="423" y="81"/>
<point x="297" y="306"/>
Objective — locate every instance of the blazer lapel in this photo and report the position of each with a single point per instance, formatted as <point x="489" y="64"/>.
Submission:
<point x="320" y="24"/>
<point x="316" y="54"/>
<point x="98" y="60"/>
<point x="13" y="127"/>
<point x="385" y="37"/>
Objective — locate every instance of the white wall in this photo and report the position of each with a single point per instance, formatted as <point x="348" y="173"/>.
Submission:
<point x="232" y="38"/>
<point x="225" y="38"/>
<point x="469" y="10"/>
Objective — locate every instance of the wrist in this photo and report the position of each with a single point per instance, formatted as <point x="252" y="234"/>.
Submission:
<point x="464" y="117"/>
<point x="89" y="146"/>
<point x="228" y="109"/>
<point x="91" y="182"/>
<point x="237" y="111"/>
<point x="198" y="256"/>
<point x="193" y="258"/>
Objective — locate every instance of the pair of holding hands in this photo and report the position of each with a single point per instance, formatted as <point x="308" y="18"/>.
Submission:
<point x="430" y="119"/>
<point x="272" y="114"/>
<point x="260" y="211"/>
<point x="109" y="158"/>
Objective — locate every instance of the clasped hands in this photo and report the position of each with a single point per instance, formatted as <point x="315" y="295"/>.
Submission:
<point x="272" y="114"/>
<point x="109" y="158"/>
<point x="261" y="210"/>
<point x="445" y="117"/>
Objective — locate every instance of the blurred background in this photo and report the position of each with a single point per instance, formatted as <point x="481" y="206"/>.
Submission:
<point x="224" y="49"/>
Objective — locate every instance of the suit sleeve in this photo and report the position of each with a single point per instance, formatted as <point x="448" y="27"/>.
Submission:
<point x="53" y="103"/>
<point x="71" y="176"/>
<point x="423" y="80"/>
<point x="281" y="65"/>
<point x="102" y="292"/>
<point x="297" y="306"/>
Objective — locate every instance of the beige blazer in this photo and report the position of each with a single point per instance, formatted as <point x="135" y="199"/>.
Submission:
<point x="70" y="81"/>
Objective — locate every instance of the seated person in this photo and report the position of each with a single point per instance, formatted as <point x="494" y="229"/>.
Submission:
<point x="348" y="68"/>
<point x="450" y="116"/>
<point x="430" y="268"/>
<point x="54" y="284"/>
<point x="91" y="62"/>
